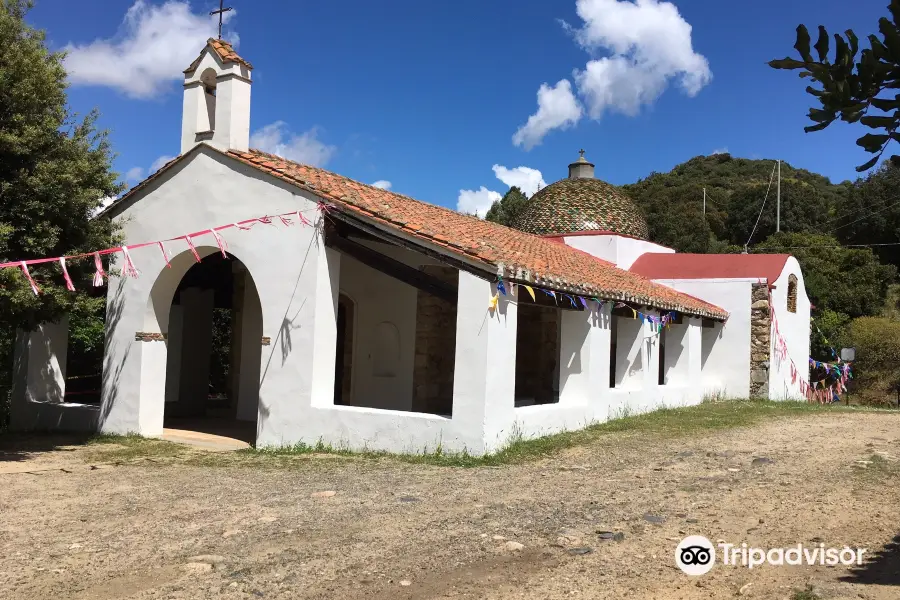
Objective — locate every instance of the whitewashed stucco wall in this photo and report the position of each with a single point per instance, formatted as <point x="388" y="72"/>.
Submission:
<point x="207" y="189"/>
<point x="619" y="250"/>
<point x="795" y="329"/>
<point x="726" y="364"/>
<point x="298" y="282"/>
<point x="380" y="304"/>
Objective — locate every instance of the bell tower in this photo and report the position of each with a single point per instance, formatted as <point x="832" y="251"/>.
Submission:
<point x="216" y="105"/>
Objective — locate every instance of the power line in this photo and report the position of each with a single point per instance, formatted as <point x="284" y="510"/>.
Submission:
<point x="866" y="217"/>
<point x="826" y="246"/>
<point x="761" y="208"/>
<point x="709" y="199"/>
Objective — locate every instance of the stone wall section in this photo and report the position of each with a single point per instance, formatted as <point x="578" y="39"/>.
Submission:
<point x="435" y="347"/>
<point x="760" y="341"/>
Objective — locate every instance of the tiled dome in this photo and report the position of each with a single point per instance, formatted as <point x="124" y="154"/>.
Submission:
<point x="581" y="203"/>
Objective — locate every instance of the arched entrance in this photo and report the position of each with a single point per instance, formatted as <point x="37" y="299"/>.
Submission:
<point x="212" y="319"/>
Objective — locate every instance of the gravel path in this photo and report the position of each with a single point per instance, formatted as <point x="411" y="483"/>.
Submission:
<point x="394" y="531"/>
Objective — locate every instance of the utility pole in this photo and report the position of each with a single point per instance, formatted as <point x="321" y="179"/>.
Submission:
<point x="704" y="202"/>
<point x="778" y="202"/>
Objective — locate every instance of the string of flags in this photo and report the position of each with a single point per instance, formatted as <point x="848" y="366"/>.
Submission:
<point x="825" y="339"/>
<point x="658" y="322"/>
<point x="129" y="269"/>
<point x="816" y="391"/>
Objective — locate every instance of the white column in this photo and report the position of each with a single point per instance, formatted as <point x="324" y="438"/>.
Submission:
<point x="694" y="351"/>
<point x="251" y="333"/>
<point x="39" y="370"/>
<point x="677" y="355"/>
<point x="485" y="372"/>
<point x="630" y="354"/>
<point x="193" y="115"/>
<point x="328" y="280"/>
<point x="599" y="347"/>
<point x="650" y="351"/>
<point x="575" y="357"/>
<point x="232" y="118"/>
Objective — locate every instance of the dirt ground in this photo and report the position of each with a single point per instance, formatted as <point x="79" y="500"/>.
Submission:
<point x="73" y="527"/>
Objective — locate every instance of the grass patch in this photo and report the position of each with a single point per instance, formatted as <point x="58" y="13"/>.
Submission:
<point x="666" y="422"/>
<point x="123" y="448"/>
<point x="807" y="593"/>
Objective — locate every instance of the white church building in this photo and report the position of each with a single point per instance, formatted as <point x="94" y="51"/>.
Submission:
<point x="368" y="319"/>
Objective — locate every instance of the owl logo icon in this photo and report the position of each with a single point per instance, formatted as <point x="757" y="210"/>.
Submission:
<point x="695" y="555"/>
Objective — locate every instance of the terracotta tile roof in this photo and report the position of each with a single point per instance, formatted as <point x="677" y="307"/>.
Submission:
<point x="224" y="50"/>
<point x="581" y="204"/>
<point x="655" y="265"/>
<point x="518" y="256"/>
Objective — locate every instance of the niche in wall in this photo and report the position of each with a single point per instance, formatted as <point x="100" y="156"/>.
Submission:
<point x="386" y="356"/>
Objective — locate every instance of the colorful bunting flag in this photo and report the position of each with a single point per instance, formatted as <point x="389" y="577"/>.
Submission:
<point x="34" y="287"/>
<point x="69" y="285"/>
<point x="99" y="273"/>
<point x="530" y="292"/>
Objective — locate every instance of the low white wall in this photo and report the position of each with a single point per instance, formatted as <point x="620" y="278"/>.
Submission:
<point x="37" y="401"/>
<point x="726" y="348"/>
<point x="599" y="402"/>
<point x="795" y="329"/>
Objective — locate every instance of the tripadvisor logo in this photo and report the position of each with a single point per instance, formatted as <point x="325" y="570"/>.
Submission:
<point x="696" y="555"/>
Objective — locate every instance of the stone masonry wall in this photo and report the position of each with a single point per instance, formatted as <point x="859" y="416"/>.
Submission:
<point x="760" y="341"/>
<point x="435" y="347"/>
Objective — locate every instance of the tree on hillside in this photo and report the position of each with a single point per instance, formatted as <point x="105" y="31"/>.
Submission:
<point x="803" y="209"/>
<point x="871" y="213"/>
<point x="673" y="201"/>
<point x="54" y="170"/>
<point x="844" y="280"/>
<point x="506" y="210"/>
<point x="678" y="222"/>
<point x="854" y="90"/>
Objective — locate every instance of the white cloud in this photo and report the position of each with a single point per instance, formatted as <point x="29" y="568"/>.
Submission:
<point x="525" y="178"/>
<point x="137" y="174"/>
<point x="719" y="151"/>
<point x="476" y="201"/>
<point x="479" y="201"/>
<point x="159" y="163"/>
<point x="383" y="184"/>
<point x="647" y="45"/>
<point x="104" y="203"/>
<point x="650" y="45"/>
<point x="149" y="52"/>
<point x="304" y="148"/>
<point x="557" y="109"/>
<point x="134" y="174"/>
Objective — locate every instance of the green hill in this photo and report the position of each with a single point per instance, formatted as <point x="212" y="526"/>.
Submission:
<point x="735" y="188"/>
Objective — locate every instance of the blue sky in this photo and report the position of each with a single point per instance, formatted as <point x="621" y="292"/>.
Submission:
<point x="430" y="96"/>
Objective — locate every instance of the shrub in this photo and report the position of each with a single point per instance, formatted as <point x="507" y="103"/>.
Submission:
<point x="877" y="367"/>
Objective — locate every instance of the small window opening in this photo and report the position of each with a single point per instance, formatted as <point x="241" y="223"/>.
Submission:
<point x="792" y="294"/>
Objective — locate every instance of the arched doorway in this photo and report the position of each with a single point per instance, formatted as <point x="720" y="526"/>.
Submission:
<point x="213" y="350"/>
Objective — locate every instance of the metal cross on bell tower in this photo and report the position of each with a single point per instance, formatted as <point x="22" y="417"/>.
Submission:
<point x="222" y="10"/>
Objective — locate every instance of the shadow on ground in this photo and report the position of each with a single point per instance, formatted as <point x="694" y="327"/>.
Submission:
<point x="882" y="568"/>
<point x="16" y="447"/>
